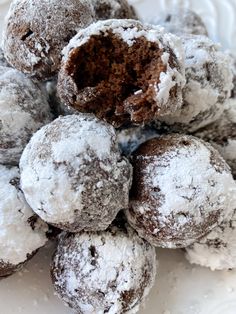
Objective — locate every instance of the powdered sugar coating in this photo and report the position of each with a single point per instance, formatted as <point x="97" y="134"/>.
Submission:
<point x="23" y="110"/>
<point x="209" y="83"/>
<point x="128" y="30"/>
<point x="130" y="139"/>
<point x="222" y="135"/>
<point x="182" y="189"/>
<point x="21" y="231"/>
<point x="73" y="175"/>
<point x="218" y="249"/>
<point x="166" y="90"/>
<point x="106" y="272"/>
<point x="182" y="21"/>
<point x="36" y="32"/>
<point x="113" y="9"/>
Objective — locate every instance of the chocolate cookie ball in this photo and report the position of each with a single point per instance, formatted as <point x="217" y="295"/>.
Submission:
<point x="222" y="135"/>
<point x="22" y="233"/>
<point x="23" y="110"/>
<point x="209" y="83"/>
<point x="217" y="250"/>
<point x="182" y="189"/>
<point x="123" y="72"/>
<point x="113" y="9"/>
<point x="3" y="61"/>
<point x="37" y="31"/>
<point x="105" y="272"/>
<point x="183" y="21"/>
<point x="129" y="139"/>
<point x="73" y="175"/>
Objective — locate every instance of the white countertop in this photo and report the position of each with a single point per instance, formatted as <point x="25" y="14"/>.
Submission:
<point x="180" y="288"/>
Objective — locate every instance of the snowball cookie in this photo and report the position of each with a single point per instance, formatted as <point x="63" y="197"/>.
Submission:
<point x="105" y="272"/>
<point x="222" y="135"/>
<point x="22" y="233"/>
<point x="73" y="175"/>
<point x="37" y="31"/>
<point x="3" y="61"/>
<point x="182" y="189"/>
<point x="123" y="72"/>
<point x="217" y="250"/>
<point x="113" y="9"/>
<point x="129" y="139"/>
<point x="183" y="21"/>
<point x="23" y="110"/>
<point x="209" y="83"/>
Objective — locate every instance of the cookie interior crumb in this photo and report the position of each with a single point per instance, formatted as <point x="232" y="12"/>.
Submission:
<point x="116" y="81"/>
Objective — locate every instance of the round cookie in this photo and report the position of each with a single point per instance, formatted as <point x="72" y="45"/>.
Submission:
<point x="22" y="233"/>
<point x="37" y="31"/>
<point x="208" y="84"/>
<point x="3" y="61"/>
<point x="139" y="76"/>
<point x="23" y="110"/>
<point x="182" y="21"/>
<point x="130" y="139"/>
<point x="182" y="189"/>
<point x="106" y="272"/>
<point x="217" y="250"/>
<point x="222" y="135"/>
<point x="113" y="9"/>
<point x="73" y="175"/>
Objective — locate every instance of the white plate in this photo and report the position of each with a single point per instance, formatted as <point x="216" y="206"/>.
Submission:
<point x="180" y="288"/>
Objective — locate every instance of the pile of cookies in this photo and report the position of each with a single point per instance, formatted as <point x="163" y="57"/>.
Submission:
<point x="120" y="135"/>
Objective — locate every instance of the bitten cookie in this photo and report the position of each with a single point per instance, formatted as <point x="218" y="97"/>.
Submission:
<point x="22" y="232"/>
<point x="23" y="110"/>
<point x="182" y="189"/>
<point x="37" y="31"/>
<point x="106" y="272"/>
<point x="209" y="79"/>
<point x="123" y="71"/>
<point x="73" y="175"/>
